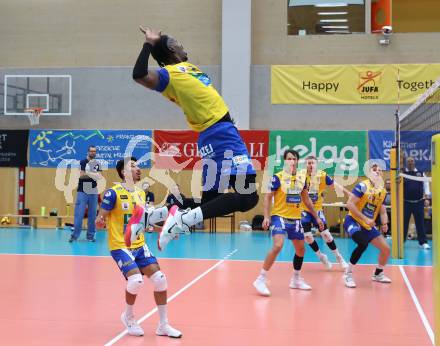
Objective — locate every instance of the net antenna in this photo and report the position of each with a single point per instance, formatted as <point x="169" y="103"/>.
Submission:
<point x="34" y="114"/>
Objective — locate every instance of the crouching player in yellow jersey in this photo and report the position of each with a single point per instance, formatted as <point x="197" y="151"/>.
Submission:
<point x="364" y="205"/>
<point x="225" y="158"/>
<point x="318" y="181"/>
<point x="136" y="260"/>
<point x="288" y="190"/>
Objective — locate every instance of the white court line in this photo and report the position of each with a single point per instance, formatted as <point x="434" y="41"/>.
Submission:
<point x="417" y="304"/>
<point x="175" y="295"/>
<point x="209" y="259"/>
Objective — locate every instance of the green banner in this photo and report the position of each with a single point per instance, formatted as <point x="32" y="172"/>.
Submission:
<point x="339" y="152"/>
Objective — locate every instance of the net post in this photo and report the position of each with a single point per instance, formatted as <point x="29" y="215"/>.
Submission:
<point x="396" y="230"/>
<point x="400" y="223"/>
<point x="435" y="151"/>
<point x="394" y="226"/>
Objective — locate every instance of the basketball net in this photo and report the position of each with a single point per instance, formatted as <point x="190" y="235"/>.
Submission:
<point x="34" y="114"/>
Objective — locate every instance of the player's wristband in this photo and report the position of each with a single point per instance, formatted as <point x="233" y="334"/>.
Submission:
<point x="140" y="69"/>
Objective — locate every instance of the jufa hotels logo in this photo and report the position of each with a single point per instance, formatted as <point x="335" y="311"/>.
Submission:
<point x="368" y="85"/>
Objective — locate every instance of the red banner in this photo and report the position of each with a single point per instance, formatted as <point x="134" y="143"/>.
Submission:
<point x="178" y="149"/>
<point x="257" y="143"/>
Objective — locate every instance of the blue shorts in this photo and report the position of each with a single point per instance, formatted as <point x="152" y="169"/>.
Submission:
<point x="128" y="259"/>
<point x="307" y="218"/>
<point x="351" y="226"/>
<point x="291" y="227"/>
<point x="223" y="154"/>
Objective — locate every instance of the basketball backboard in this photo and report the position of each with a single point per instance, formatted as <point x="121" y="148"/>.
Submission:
<point x="53" y="93"/>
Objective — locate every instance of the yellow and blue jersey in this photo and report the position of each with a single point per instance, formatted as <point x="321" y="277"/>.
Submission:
<point x="370" y="201"/>
<point x="120" y="202"/>
<point x="287" y="197"/>
<point x="316" y="185"/>
<point x="191" y="89"/>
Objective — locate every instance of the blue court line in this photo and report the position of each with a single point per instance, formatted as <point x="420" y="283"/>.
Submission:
<point x="253" y="246"/>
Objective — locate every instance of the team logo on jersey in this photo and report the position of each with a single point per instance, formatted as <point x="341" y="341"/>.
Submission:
<point x="125" y="206"/>
<point x="123" y="197"/>
<point x="202" y="77"/>
<point x="108" y="194"/>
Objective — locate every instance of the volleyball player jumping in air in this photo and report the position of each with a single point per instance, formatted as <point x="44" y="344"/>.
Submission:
<point x="219" y="140"/>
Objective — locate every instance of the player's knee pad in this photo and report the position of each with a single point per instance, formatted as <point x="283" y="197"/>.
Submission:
<point x="159" y="281"/>
<point x="327" y="236"/>
<point x="134" y="284"/>
<point x="247" y="202"/>
<point x="361" y="239"/>
<point x="308" y="237"/>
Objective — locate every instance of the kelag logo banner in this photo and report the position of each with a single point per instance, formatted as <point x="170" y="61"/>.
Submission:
<point x="351" y="84"/>
<point x="339" y="152"/>
<point x="47" y="148"/>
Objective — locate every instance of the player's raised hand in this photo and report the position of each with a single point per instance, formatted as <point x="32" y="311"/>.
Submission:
<point x="151" y="35"/>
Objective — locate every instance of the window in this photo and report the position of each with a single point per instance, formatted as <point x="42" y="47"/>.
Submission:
<point x="324" y="17"/>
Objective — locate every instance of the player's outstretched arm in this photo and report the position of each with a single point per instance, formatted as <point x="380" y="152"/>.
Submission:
<point x="141" y="73"/>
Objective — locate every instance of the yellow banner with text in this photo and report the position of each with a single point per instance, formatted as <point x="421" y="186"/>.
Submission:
<point x="351" y="84"/>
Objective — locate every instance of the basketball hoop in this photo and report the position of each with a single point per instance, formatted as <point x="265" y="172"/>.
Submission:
<point x="34" y="114"/>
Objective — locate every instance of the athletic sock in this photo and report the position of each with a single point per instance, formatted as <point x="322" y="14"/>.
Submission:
<point x="332" y="245"/>
<point x="297" y="263"/>
<point x="315" y="248"/>
<point x="129" y="310"/>
<point x="163" y="314"/>
<point x="379" y="269"/>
